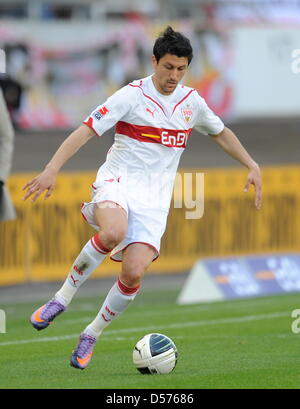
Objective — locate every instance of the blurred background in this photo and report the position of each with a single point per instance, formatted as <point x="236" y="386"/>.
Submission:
<point x="63" y="58"/>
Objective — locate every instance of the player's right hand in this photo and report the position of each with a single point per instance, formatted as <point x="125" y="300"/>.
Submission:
<point x="44" y="181"/>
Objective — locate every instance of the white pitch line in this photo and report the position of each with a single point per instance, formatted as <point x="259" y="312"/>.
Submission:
<point x="222" y="321"/>
<point x="184" y="310"/>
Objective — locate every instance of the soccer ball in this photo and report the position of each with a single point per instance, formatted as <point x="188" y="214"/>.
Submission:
<point x="155" y="354"/>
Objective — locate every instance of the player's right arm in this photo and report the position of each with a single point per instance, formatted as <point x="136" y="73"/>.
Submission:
<point x="47" y="179"/>
<point x="99" y="121"/>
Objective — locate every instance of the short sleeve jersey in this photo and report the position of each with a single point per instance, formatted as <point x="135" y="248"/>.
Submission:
<point x="152" y="129"/>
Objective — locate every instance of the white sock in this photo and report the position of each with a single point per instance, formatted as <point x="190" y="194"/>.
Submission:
<point x="90" y="257"/>
<point x="117" y="300"/>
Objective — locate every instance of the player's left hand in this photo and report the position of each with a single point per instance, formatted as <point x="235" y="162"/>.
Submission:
<point x="254" y="178"/>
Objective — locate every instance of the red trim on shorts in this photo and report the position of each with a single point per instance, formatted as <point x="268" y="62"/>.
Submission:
<point x="178" y="103"/>
<point x="95" y="203"/>
<point x="127" y="290"/>
<point x="82" y="204"/>
<point x="89" y="123"/>
<point x="125" y="247"/>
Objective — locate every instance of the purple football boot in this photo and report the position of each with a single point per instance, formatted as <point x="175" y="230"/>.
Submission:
<point x="42" y="317"/>
<point x="82" y="355"/>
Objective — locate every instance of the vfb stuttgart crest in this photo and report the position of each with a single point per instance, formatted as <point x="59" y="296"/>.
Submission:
<point x="187" y="113"/>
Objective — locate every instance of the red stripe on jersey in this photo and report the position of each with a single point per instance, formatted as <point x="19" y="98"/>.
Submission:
<point x="172" y="138"/>
<point x="147" y="96"/>
<point x="178" y="103"/>
<point x="141" y="82"/>
<point x="127" y="290"/>
<point x="89" y="123"/>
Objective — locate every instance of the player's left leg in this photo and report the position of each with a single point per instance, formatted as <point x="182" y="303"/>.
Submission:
<point x="136" y="259"/>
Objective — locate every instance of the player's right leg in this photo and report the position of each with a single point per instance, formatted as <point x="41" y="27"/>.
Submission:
<point x="113" y="222"/>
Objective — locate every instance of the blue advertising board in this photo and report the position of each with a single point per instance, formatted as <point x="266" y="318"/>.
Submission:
<point x="252" y="276"/>
<point x="240" y="277"/>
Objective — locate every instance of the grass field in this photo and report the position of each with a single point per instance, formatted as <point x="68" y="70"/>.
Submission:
<point x="236" y="344"/>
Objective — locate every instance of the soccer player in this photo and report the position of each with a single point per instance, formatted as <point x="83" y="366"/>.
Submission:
<point x="132" y="192"/>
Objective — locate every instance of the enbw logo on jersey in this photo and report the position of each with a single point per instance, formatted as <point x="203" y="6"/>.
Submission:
<point x="178" y="140"/>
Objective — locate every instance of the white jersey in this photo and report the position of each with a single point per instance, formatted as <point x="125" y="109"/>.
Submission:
<point x="152" y="131"/>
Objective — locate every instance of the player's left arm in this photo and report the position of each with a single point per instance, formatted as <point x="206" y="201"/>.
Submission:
<point x="231" y="144"/>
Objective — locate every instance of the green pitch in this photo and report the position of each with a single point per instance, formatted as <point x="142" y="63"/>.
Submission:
<point x="236" y="344"/>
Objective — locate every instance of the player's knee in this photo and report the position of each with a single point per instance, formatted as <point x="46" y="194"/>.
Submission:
<point x="111" y="237"/>
<point x="131" y="280"/>
<point x="132" y="274"/>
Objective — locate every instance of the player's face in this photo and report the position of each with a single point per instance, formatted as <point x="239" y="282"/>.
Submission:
<point x="168" y="72"/>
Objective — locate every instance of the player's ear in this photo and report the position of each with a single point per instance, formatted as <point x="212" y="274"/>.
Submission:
<point x="154" y="62"/>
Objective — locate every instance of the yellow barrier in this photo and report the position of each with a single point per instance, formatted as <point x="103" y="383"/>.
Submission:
<point x="47" y="236"/>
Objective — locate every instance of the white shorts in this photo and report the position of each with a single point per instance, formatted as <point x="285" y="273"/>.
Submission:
<point x="146" y="224"/>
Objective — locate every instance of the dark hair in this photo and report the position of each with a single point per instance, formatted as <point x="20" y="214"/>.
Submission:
<point x="172" y="42"/>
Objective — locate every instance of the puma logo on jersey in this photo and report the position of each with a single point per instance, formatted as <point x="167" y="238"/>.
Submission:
<point x="151" y="112"/>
